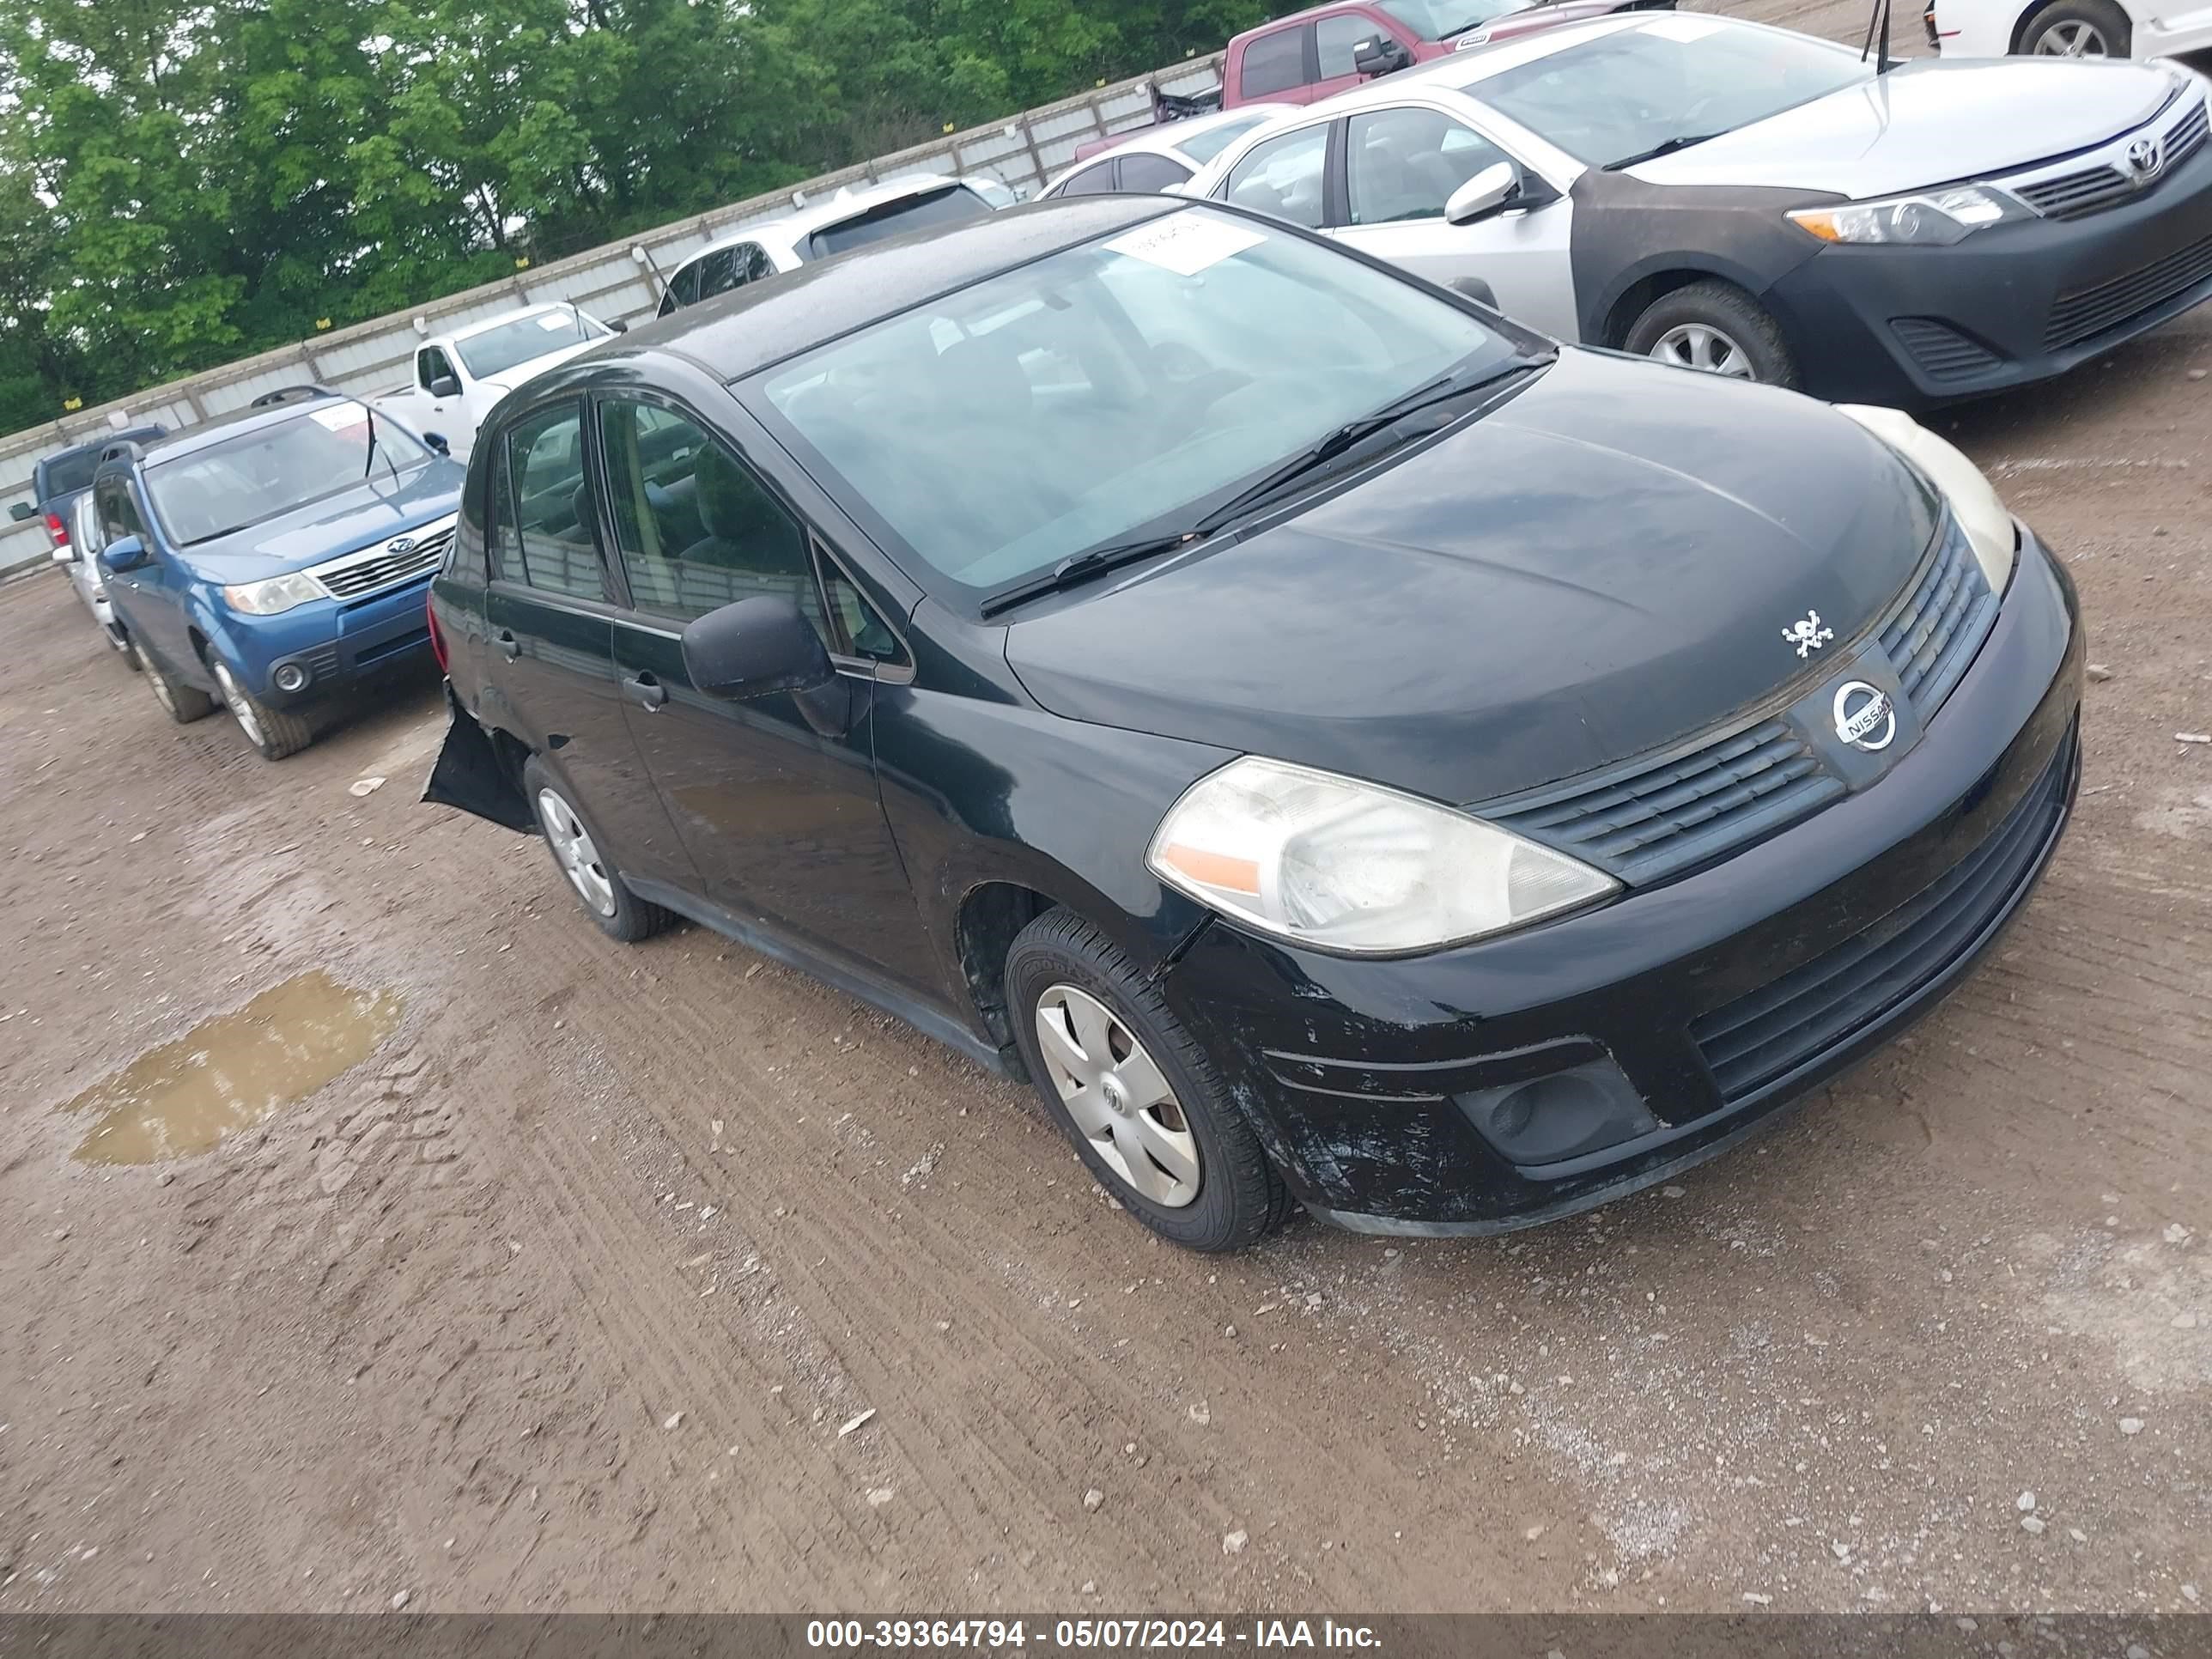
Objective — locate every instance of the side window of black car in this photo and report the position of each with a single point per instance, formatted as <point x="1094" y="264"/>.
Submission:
<point x="860" y="631"/>
<point x="696" y="529"/>
<point x="552" y="517"/>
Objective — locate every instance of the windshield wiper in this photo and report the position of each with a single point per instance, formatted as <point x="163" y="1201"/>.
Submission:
<point x="369" y="459"/>
<point x="1078" y="567"/>
<point x="1353" y="433"/>
<point x="1679" y="141"/>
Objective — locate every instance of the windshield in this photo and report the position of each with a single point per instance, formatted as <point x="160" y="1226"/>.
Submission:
<point x="526" y="339"/>
<point x="955" y="204"/>
<point x="273" y="469"/>
<point x="1620" y="96"/>
<point x="1117" y="387"/>
<point x="1439" y="19"/>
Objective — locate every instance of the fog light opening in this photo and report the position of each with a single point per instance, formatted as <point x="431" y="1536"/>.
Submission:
<point x="290" y="677"/>
<point x="1562" y="1114"/>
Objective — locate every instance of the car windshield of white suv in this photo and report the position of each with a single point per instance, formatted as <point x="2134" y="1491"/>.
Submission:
<point x="1440" y="20"/>
<point x="526" y="339"/>
<point x="1121" y="387"/>
<point x="274" y="470"/>
<point x="1618" y="99"/>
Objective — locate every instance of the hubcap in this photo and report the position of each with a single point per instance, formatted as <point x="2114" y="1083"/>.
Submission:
<point x="573" y="851"/>
<point x="234" y="698"/>
<point x="1118" y="1096"/>
<point x="2072" y="39"/>
<point x="1701" y="346"/>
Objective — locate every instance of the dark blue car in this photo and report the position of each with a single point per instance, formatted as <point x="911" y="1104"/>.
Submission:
<point x="276" y="559"/>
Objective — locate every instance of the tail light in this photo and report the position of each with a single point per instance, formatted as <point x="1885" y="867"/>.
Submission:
<point x="437" y="635"/>
<point x="56" y="530"/>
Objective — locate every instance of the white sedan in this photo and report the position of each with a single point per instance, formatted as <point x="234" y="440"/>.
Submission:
<point x="2065" y="28"/>
<point x="1160" y="158"/>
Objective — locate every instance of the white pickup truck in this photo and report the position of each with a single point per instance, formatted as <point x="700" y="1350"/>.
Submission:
<point x="460" y="375"/>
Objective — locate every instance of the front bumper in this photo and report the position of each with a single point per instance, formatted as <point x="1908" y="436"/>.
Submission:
<point x="337" y="645"/>
<point x="2007" y="307"/>
<point x="1708" y="1002"/>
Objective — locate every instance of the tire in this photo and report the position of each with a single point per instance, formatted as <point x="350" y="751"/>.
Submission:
<point x="128" y="650"/>
<point x="2078" y="29"/>
<point x="1232" y="1194"/>
<point x="186" y="703"/>
<point x="1721" y="324"/>
<point x="591" y="875"/>
<point x="274" y="732"/>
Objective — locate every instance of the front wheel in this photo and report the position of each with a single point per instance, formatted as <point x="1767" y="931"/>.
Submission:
<point x="1717" y="328"/>
<point x="1135" y="1091"/>
<point x="274" y="732"/>
<point x="185" y="703"/>
<point x="2078" y="29"/>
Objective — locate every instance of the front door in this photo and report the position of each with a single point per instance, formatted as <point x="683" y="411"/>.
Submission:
<point x="550" y="623"/>
<point x="150" y="598"/>
<point x="1401" y="166"/>
<point x="776" y="797"/>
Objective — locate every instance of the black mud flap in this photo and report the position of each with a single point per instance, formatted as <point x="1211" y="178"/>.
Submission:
<point x="471" y="776"/>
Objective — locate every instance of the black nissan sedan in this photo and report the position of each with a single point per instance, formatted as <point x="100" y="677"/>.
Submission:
<point x="1339" y="747"/>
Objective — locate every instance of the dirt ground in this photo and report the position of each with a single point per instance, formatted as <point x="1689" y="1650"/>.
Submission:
<point x="562" y="1298"/>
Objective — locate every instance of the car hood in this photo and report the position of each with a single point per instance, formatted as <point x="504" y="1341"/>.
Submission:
<point x="1609" y="562"/>
<point x="369" y="512"/>
<point x="1926" y="123"/>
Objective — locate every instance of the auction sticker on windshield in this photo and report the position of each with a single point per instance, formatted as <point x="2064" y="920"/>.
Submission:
<point x="554" y="321"/>
<point x="1186" y="243"/>
<point x="343" y="418"/>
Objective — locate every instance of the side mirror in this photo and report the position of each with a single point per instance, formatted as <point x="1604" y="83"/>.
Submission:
<point x="1476" y="289"/>
<point x="64" y="553"/>
<point x="445" y="386"/>
<point x="124" y="553"/>
<point x="1381" y="55"/>
<point x="437" y="442"/>
<point x="1484" y="194"/>
<point x="753" y="648"/>
<point x="618" y="326"/>
<point x="19" y="510"/>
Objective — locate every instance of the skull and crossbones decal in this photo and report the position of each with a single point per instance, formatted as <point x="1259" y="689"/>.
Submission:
<point x="1808" y="635"/>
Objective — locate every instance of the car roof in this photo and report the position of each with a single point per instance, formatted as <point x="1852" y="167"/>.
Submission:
<point x="736" y="333"/>
<point x="788" y="230"/>
<point x="221" y="427"/>
<point x="1168" y="136"/>
<point x="469" y="330"/>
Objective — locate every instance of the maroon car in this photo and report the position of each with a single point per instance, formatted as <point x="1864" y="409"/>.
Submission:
<point x="1304" y="58"/>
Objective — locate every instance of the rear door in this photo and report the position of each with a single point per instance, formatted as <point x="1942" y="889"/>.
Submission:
<point x="549" y="616"/>
<point x="776" y="797"/>
<point x="1401" y="166"/>
<point x="1278" y="64"/>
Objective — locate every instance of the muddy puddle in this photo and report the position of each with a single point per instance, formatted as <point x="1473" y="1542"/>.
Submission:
<point x="230" y="1072"/>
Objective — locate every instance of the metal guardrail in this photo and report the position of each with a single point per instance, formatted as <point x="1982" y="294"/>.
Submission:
<point x="619" y="280"/>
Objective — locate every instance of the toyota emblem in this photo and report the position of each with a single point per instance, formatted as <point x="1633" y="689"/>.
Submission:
<point x="1865" y="717"/>
<point x="2145" y="158"/>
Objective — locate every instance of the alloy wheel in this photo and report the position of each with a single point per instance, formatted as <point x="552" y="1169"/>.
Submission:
<point x="2074" y="37"/>
<point x="1118" y="1096"/>
<point x="574" y="851"/>
<point x="241" y="706"/>
<point x="1703" y="347"/>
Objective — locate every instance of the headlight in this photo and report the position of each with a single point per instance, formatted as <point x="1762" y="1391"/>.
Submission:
<point x="1980" y="512"/>
<point x="277" y="593"/>
<point x="1935" y="219"/>
<point x="1353" y="867"/>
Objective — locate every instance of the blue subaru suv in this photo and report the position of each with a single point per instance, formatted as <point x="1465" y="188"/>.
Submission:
<point x="276" y="559"/>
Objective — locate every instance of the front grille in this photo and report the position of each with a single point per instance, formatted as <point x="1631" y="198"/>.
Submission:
<point x="2089" y="312"/>
<point x="1769" y="1032"/>
<point x="1940" y="351"/>
<point x="1931" y="637"/>
<point x="1653" y="816"/>
<point x="354" y="576"/>
<point x="2107" y="184"/>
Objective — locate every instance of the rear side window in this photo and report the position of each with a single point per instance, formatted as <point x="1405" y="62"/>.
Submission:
<point x="1283" y="177"/>
<point x="65" y="474"/>
<point x="553" y="540"/>
<point x="955" y="204"/>
<point x="1092" y="182"/>
<point x="1147" y="171"/>
<point x="1275" y="62"/>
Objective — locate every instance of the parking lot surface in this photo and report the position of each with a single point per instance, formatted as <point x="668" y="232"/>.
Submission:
<point x="609" y="1276"/>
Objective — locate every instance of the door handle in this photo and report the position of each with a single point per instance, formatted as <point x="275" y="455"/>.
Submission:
<point x="509" y="646"/>
<point x="647" y="691"/>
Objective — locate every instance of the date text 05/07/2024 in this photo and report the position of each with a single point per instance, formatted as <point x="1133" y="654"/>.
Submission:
<point x="1086" y="1635"/>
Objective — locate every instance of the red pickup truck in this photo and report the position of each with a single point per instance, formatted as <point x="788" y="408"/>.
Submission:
<point x="1304" y="58"/>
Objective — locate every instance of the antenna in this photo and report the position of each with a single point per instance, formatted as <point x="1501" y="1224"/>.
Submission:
<point x="1878" y="29"/>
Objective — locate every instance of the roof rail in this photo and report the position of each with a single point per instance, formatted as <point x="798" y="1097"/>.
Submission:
<point x="293" y="394"/>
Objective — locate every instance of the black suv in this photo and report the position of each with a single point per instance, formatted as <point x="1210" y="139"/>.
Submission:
<point x="1341" y="746"/>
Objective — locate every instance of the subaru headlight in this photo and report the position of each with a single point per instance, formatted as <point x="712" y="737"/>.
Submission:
<point x="1353" y="867"/>
<point x="1981" y="513"/>
<point x="1934" y="218"/>
<point x="278" y="593"/>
